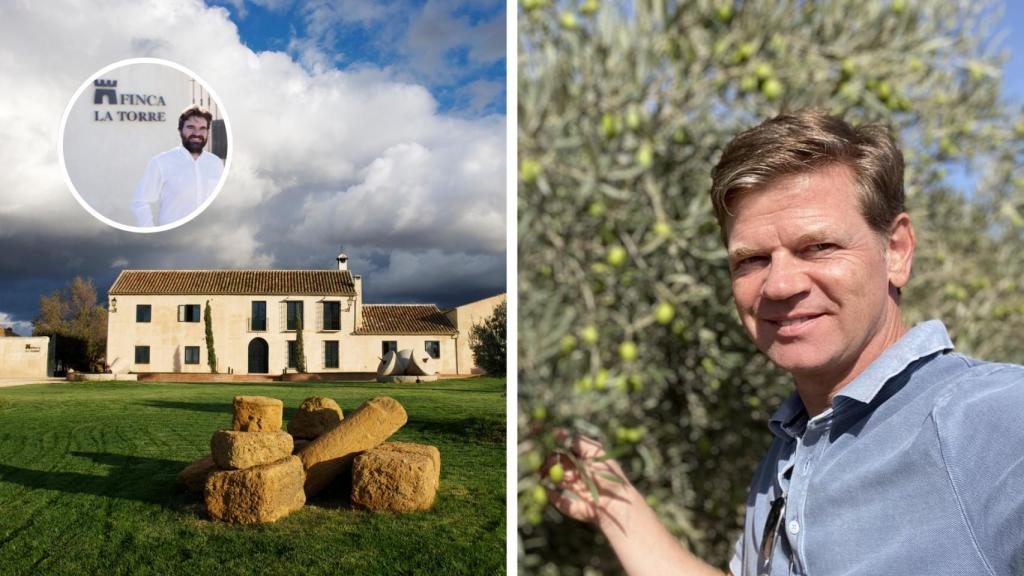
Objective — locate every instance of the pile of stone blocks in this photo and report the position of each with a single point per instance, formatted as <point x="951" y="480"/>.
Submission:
<point x="257" y="480"/>
<point x="256" y="473"/>
<point x="406" y="366"/>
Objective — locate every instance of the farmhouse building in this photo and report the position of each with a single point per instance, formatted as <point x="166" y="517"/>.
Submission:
<point x="156" y="323"/>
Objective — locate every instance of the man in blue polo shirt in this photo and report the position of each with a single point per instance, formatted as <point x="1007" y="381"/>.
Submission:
<point x="894" y="455"/>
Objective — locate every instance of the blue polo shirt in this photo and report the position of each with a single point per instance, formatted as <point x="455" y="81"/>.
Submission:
<point x="917" y="468"/>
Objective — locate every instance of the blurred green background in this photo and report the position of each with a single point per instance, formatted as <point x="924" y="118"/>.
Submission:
<point x="626" y="326"/>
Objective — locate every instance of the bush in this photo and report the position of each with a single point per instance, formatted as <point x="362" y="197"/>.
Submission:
<point x="626" y="325"/>
<point x="487" y="340"/>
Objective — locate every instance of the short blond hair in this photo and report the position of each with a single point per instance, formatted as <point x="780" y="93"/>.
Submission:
<point x="804" y="141"/>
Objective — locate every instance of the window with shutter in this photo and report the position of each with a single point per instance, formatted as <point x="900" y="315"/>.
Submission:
<point x="331" y="316"/>
<point x="258" y="320"/>
<point x="331" y="354"/>
<point x="293" y="354"/>
<point x="433" y="348"/>
<point x="188" y="312"/>
<point x="295" y="317"/>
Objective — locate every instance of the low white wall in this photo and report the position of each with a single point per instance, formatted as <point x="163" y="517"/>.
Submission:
<point x="25" y="357"/>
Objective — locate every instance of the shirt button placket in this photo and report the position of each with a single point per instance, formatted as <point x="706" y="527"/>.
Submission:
<point x="199" y="182"/>
<point x="809" y="446"/>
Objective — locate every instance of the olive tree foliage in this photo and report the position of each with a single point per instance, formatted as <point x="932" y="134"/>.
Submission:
<point x="627" y="330"/>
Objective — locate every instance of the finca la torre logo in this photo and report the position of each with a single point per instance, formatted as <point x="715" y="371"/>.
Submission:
<point x="107" y="95"/>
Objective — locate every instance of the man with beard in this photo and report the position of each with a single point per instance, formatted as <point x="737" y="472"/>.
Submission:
<point x="179" y="181"/>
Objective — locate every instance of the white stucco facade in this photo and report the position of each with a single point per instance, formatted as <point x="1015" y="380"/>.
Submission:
<point x="162" y="333"/>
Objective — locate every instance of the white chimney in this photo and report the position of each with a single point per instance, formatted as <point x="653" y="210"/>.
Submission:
<point x="342" y="261"/>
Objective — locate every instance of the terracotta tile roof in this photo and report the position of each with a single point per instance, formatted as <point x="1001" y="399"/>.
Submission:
<point x="404" y="319"/>
<point x="201" y="282"/>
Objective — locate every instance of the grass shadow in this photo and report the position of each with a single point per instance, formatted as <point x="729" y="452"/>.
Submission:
<point x="487" y="430"/>
<point x="149" y="480"/>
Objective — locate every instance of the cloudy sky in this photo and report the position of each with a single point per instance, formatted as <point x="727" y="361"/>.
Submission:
<point x="378" y="127"/>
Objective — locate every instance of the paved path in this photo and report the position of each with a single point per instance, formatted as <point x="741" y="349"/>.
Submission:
<point x="8" y="382"/>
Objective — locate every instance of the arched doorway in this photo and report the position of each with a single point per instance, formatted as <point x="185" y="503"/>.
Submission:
<point x="258" y="351"/>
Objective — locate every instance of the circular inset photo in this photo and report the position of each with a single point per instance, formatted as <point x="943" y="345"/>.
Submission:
<point x="145" y="145"/>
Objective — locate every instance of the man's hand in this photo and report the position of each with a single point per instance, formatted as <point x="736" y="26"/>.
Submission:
<point x="641" y="542"/>
<point x="574" y="492"/>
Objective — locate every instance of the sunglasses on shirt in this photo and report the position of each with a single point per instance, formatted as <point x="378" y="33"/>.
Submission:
<point x="770" y="534"/>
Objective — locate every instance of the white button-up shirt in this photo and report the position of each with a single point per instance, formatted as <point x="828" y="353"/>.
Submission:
<point x="174" y="186"/>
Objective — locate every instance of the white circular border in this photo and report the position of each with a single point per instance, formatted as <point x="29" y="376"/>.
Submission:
<point x="144" y="229"/>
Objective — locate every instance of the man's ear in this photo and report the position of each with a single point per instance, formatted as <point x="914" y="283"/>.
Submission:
<point x="900" y="250"/>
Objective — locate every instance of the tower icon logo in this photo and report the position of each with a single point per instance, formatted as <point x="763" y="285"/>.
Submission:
<point x="105" y="90"/>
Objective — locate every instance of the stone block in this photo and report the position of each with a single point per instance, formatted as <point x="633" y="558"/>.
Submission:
<point x="332" y="453"/>
<point x="256" y="495"/>
<point x="233" y="450"/>
<point x="257" y="414"/>
<point x="429" y="451"/>
<point x="316" y="415"/>
<point x="398" y="481"/>
<point x="193" y="477"/>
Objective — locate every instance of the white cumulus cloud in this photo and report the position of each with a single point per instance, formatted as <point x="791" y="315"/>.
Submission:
<point x="321" y="156"/>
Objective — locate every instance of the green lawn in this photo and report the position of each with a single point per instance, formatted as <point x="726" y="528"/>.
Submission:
<point x="87" y="484"/>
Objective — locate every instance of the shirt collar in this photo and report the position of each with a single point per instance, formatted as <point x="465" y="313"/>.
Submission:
<point x="920" y="341"/>
<point x="790" y="418"/>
